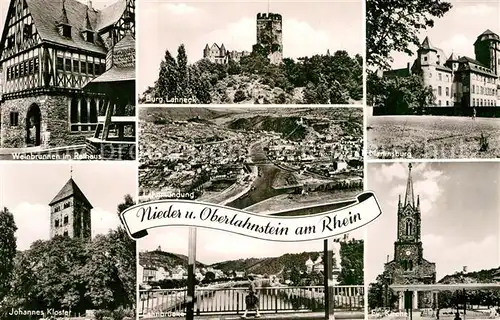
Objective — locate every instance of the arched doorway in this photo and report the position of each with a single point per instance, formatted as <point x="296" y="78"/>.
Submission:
<point x="33" y="124"/>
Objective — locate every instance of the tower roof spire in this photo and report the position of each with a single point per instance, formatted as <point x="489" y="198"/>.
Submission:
<point x="409" y="197"/>
<point x="88" y="25"/>
<point x="64" y="16"/>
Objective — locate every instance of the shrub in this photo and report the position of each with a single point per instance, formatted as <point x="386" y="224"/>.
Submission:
<point x="102" y="314"/>
<point x="239" y="96"/>
<point x="280" y="99"/>
<point x="123" y="314"/>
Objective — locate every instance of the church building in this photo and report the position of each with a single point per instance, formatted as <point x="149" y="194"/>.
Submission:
<point x="409" y="265"/>
<point x="70" y="213"/>
<point x="50" y="51"/>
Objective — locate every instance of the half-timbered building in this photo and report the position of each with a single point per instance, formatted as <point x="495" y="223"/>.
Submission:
<point x="50" y="51"/>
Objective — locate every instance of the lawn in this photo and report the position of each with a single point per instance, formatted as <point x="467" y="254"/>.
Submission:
<point x="431" y="137"/>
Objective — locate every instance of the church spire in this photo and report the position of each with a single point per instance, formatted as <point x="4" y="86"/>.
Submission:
<point x="409" y="197"/>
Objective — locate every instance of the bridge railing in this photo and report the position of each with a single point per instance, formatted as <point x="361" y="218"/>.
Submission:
<point x="232" y="300"/>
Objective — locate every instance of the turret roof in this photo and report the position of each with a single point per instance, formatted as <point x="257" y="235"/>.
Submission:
<point x="70" y="189"/>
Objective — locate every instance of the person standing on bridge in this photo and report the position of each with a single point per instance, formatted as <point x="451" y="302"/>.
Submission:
<point x="251" y="300"/>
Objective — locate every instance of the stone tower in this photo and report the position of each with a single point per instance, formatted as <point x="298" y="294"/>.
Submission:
<point x="270" y="36"/>
<point x="487" y="50"/>
<point x="70" y="213"/>
<point x="409" y="265"/>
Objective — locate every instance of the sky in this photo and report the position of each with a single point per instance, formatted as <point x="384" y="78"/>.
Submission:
<point x="215" y="246"/>
<point x="308" y="28"/>
<point x="458" y="29"/>
<point x="26" y="189"/>
<point x="460" y="214"/>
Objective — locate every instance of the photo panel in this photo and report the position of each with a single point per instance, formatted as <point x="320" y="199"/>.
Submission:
<point x="284" y="278"/>
<point x="433" y="78"/>
<point x="65" y="253"/>
<point x="435" y="250"/>
<point x="67" y="80"/>
<point x="273" y="161"/>
<point x="257" y="52"/>
<point x="264" y="160"/>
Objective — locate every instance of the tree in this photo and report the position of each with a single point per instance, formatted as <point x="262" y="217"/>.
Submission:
<point x="351" y="254"/>
<point x="182" y="72"/>
<point x="379" y="293"/>
<point x="48" y="275"/>
<point x="209" y="276"/>
<point x="166" y="86"/>
<point x="399" y="95"/>
<point x="128" y="202"/>
<point x="239" y="96"/>
<point x="199" y="84"/>
<point x="295" y="276"/>
<point x="7" y="250"/>
<point x="395" y="25"/>
<point x="124" y="254"/>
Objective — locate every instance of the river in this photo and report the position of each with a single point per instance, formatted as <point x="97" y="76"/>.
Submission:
<point x="263" y="184"/>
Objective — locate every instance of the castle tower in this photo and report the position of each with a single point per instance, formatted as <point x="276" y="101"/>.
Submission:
<point x="426" y="59"/>
<point x="270" y="36"/>
<point x="487" y="50"/>
<point x="70" y="213"/>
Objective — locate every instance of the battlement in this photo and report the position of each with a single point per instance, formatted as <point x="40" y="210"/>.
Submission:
<point x="269" y="16"/>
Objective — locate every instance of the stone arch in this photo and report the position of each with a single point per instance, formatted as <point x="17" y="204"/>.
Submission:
<point x="33" y="125"/>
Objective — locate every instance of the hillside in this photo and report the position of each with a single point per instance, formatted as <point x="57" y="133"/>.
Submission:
<point x="243" y="89"/>
<point x="285" y="125"/>
<point x="319" y="79"/>
<point x="155" y="114"/>
<point x="164" y="259"/>
<point x="271" y="265"/>
<point x="482" y="276"/>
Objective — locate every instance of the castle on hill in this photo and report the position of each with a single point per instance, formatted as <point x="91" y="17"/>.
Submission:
<point x="269" y="42"/>
<point x="459" y="81"/>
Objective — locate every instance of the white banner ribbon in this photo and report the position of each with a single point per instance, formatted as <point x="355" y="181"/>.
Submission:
<point x="165" y="213"/>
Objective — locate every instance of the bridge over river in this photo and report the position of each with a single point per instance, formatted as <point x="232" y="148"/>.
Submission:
<point x="231" y="301"/>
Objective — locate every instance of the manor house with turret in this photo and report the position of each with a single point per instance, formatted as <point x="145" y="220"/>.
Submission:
<point x="269" y="42"/>
<point x="459" y="81"/>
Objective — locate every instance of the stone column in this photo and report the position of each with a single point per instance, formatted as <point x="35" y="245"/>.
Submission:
<point x="415" y="300"/>
<point x="401" y="301"/>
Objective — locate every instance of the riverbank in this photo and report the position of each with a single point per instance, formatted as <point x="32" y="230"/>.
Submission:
<point x="293" y="201"/>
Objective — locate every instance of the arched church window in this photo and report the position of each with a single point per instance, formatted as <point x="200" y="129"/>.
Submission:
<point x="409" y="227"/>
<point x="410" y="265"/>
